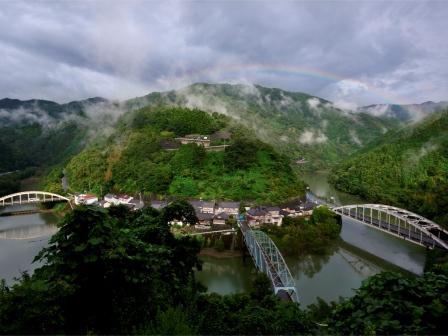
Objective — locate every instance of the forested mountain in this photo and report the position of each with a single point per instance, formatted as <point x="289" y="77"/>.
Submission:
<point x="404" y="113"/>
<point x="408" y="168"/>
<point x="297" y="124"/>
<point x="134" y="159"/>
<point x="36" y="133"/>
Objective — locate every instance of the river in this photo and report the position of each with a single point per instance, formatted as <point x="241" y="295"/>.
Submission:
<point x="363" y="252"/>
<point x="21" y="238"/>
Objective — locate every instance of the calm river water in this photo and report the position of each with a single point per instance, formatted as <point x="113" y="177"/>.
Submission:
<point x="21" y="238"/>
<point x="363" y="252"/>
<point x="328" y="277"/>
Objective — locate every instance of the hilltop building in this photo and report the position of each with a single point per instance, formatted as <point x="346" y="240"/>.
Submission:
<point x="200" y="140"/>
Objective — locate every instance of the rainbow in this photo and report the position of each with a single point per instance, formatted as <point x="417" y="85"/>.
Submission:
<point x="385" y="96"/>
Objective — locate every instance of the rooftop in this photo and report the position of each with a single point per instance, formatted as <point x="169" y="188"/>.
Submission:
<point x="202" y="204"/>
<point x="228" y="204"/>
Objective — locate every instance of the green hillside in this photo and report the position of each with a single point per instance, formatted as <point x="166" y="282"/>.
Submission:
<point x="408" y="168"/>
<point x="296" y="124"/>
<point x="132" y="160"/>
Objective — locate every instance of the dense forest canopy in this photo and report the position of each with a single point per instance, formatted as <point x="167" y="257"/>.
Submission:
<point x="296" y="124"/>
<point x="408" y="169"/>
<point x="132" y="160"/>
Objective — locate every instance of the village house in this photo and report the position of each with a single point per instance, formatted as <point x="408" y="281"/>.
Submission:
<point x="200" y="140"/>
<point x="203" y="206"/>
<point x="301" y="209"/>
<point x="256" y="217"/>
<point x="86" y="199"/>
<point x="118" y="199"/>
<point x="220" y="219"/>
<point x="230" y="208"/>
<point x="274" y="216"/>
<point x="264" y="215"/>
<point x="221" y="135"/>
<point x="205" y="219"/>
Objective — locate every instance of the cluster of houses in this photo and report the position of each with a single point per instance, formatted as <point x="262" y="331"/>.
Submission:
<point x="216" y="214"/>
<point x="198" y="139"/>
<point x="210" y="213"/>
<point x="109" y="200"/>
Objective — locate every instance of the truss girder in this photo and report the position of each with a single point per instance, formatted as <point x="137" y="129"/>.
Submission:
<point x="268" y="259"/>
<point x="431" y="234"/>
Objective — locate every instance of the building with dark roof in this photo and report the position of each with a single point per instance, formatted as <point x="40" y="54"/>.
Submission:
<point x="203" y="206"/>
<point x="230" y="208"/>
<point x="169" y="144"/>
<point x="205" y="218"/>
<point x="220" y="219"/>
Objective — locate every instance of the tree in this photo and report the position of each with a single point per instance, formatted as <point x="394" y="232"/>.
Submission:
<point x="104" y="272"/>
<point x="392" y="303"/>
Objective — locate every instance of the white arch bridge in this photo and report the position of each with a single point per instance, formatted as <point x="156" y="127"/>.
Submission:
<point x="398" y="222"/>
<point x="27" y="197"/>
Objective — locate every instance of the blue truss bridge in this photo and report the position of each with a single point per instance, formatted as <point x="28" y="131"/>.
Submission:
<point x="269" y="260"/>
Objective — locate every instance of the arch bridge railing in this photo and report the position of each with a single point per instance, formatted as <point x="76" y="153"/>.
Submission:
<point x="398" y="222"/>
<point x="268" y="259"/>
<point x="27" y="197"/>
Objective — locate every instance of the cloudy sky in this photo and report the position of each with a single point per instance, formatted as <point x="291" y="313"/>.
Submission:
<point x="349" y="52"/>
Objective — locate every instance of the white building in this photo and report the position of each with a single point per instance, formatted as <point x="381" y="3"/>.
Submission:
<point x="86" y="199"/>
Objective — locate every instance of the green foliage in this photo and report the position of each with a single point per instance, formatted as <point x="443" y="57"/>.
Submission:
<point x="408" y="169"/>
<point x="261" y="287"/>
<point x="281" y="118"/>
<point x="299" y="236"/>
<point x="33" y="145"/>
<point x="391" y="304"/>
<point x="180" y="121"/>
<point x="173" y="321"/>
<point x="436" y="261"/>
<point x="10" y="183"/>
<point x="219" y="245"/>
<point x="247" y="170"/>
<point x="238" y="314"/>
<point x="104" y="272"/>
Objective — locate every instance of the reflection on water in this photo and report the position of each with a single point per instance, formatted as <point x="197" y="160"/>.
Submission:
<point x="338" y="274"/>
<point x="328" y="276"/>
<point x="399" y="252"/>
<point x="21" y="238"/>
<point x="226" y="276"/>
<point x="402" y="253"/>
<point x="28" y="232"/>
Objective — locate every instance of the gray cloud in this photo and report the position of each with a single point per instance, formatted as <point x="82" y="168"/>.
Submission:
<point x="377" y="52"/>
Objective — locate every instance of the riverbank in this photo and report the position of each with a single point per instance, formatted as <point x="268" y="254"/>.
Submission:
<point x="211" y="252"/>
